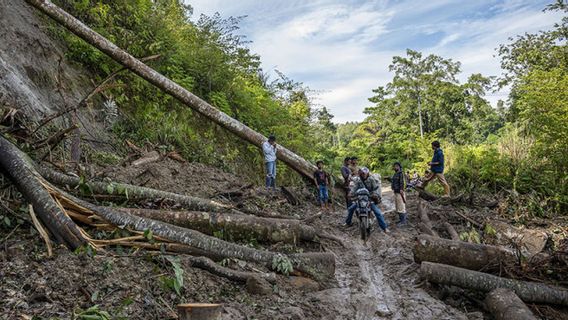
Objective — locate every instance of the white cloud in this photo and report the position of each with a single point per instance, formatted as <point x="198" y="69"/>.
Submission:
<point x="343" y="48"/>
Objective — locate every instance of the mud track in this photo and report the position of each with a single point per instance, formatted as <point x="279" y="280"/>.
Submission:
<point x="379" y="280"/>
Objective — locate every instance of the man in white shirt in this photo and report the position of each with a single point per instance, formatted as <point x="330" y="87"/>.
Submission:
<point x="269" y="150"/>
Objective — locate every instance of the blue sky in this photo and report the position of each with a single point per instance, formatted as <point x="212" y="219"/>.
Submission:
<point x="342" y="49"/>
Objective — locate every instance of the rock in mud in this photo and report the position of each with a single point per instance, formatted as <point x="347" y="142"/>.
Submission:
<point x="257" y="285"/>
<point x="530" y="241"/>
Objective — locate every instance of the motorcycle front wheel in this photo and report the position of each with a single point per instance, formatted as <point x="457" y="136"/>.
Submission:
<point x="363" y="224"/>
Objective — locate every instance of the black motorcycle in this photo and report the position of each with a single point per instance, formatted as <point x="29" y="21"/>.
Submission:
<point x="363" y="212"/>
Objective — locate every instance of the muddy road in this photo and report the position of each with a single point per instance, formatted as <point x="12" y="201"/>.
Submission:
<point x="379" y="280"/>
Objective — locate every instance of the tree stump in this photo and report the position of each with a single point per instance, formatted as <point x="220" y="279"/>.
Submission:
<point x="199" y="311"/>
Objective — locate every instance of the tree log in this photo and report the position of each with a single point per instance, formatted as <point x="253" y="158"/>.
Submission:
<point x="505" y="305"/>
<point x="183" y="95"/>
<point x="528" y="291"/>
<point x="133" y="192"/>
<point x="318" y="265"/>
<point x="461" y="254"/>
<point x="452" y="231"/>
<point x="290" y="197"/>
<point x="233" y="226"/>
<point x="426" y="195"/>
<point x="19" y="167"/>
<point x="426" y="225"/>
<point x="234" y="275"/>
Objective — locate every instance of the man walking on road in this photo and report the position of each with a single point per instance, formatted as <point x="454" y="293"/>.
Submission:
<point x="437" y="168"/>
<point x="269" y="150"/>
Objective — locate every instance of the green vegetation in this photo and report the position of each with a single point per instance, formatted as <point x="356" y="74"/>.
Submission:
<point x="207" y="57"/>
<point x="518" y="149"/>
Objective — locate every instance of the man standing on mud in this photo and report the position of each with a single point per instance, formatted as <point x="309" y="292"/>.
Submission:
<point x="346" y="174"/>
<point x="397" y="186"/>
<point x="269" y="150"/>
<point x="437" y="168"/>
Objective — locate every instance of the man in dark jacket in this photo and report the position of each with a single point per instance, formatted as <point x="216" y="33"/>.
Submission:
<point x="437" y="168"/>
<point x="346" y="174"/>
<point x="397" y="186"/>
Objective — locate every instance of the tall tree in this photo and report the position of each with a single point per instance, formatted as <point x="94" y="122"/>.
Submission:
<point x="414" y="73"/>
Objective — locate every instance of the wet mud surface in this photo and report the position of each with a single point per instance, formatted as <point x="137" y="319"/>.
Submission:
<point x="373" y="280"/>
<point x="378" y="279"/>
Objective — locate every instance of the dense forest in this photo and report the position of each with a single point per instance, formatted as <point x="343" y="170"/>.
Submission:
<point x="519" y="146"/>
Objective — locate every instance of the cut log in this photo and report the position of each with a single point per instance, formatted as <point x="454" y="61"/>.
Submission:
<point x="321" y="266"/>
<point x="233" y="226"/>
<point x="19" y="167"/>
<point x="244" y="132"/>
<point x="199" y="311"/>
<point x="504" y="304"/>
<point x="533" y="292"/>
<point x="452" y="231"/>
<point x="133" y="192"/>
<point x="461" y="254"/>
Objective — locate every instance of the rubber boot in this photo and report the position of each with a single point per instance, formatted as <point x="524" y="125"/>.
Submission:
<point x="402" y="219"/>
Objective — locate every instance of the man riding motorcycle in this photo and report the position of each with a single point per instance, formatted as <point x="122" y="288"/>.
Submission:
<point x="365" y="181"/>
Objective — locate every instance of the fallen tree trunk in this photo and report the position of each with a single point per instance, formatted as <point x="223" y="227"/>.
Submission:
<point x="425" y="225"/>
<point x="133" y="192"/>
<point x="528" y="291"/>
<point x="20" y="169"/>
<point x="318" y="265"/>
<point x="234" y="275"/>
<point x="233" y="226"/>
<point x="461" y="254"/>
<point x="428" y="196"/>
<point x="244" y="132"/>
<point x="452" y="231"/>
<point x="504" y="304"/>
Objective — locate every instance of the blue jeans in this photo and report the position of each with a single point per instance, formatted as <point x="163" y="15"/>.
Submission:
<point x="323" y="195"/>
<point x="270" y="174"/>
<point x="374" y="208"/>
